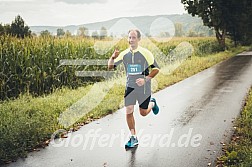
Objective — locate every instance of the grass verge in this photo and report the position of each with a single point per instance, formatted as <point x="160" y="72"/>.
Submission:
<point x="239" y="151"/>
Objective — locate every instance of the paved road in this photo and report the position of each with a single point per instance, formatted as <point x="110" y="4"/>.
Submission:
<point x="195" y="118"/>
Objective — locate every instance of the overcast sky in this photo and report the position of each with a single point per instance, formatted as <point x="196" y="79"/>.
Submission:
<point x="75" y="12"/>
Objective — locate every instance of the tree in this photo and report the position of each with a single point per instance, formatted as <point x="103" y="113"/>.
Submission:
<point x="19" y="29"/>
<point x="192" y="33"/>
<point x="45" y="33"/>
<point x="7" y="28"/>
<point x="33" y="34"/>
<point x="178" y="30"/>
<point x="164" y="34"/>
<point x="83" y="32"/>
<point x="231" y="17"/>
<point x="103" y="33"/>
<point x="60" y="32"/>
<point x="68" y="34"/>
<point x="213" y="14"/>
<point x="2" y="29"/>
<point x="95" y="35"/>
<point x="240" y="23"/>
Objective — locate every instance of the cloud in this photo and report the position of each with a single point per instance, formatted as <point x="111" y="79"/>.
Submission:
<point x="76" y="12"/>
<point x="16" y="0"/>
<point x="81" y="1"/>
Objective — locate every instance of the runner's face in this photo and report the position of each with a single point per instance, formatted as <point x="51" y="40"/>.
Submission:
<point x="133" y="40"/>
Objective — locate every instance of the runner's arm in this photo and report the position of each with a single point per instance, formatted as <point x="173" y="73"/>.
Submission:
<point x="142" y="81"/>
<point x="152" y="74"/>
<point x="112" y="58"/>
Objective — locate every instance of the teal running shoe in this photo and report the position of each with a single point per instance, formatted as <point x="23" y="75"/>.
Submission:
<point x="155" y="108"/>
<point x="133" y="142"/>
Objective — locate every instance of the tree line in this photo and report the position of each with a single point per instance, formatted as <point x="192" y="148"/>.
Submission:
<point x="230" y="18"/>
<point x="227" y="18"/>
<point x="82" y="32"/>
<point x="19" y="29"/>
<point x="16" y="28"/>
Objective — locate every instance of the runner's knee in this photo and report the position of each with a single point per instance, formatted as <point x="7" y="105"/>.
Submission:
<point x="143" y="112"/>
<point x="129" y="110"/>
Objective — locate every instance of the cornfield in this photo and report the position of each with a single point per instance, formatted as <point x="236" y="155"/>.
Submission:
<point x="32" y="65"/>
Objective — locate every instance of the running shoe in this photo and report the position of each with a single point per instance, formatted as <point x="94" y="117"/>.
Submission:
<point x="155" y="108"/>
<point x="133" y="142"/>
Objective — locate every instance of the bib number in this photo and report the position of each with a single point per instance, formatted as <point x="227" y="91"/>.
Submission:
<point x="134" y="69"/>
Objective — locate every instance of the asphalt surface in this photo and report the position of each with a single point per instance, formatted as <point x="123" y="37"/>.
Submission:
<point x="195" y="118"/>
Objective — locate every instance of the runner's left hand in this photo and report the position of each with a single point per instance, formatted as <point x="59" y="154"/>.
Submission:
<point x="140" y="81"/>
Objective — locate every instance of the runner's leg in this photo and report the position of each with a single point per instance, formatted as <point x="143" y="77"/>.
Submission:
<point x="146" y="107"/>
<point x="130" y="119"/>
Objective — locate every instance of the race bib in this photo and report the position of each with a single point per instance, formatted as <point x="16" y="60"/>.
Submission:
<point x="134" y="69"/>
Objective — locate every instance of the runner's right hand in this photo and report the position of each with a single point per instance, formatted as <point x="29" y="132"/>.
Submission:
<point x="115" y="54"/>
